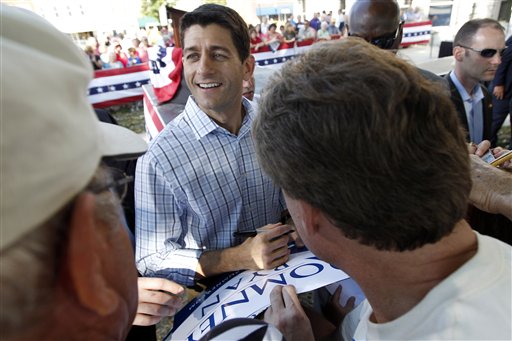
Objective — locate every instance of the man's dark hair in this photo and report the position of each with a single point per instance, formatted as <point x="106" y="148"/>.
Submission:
<point x="359" y="134"/>
<point x="223" y="16"/>
<point x="467" y="31"/>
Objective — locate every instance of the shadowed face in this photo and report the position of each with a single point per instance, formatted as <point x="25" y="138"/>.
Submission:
<point x="377" y="22"/>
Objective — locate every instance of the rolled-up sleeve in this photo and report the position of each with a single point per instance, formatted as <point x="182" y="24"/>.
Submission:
<point x="159" y="233"/>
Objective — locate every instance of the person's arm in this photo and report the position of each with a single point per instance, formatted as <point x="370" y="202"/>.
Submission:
<point x="492" y="188"/>
<point x="264" y="251"/>
<point x="334" y="311"/>
<point x="161" y="251"/>
<point x="159" y="246"/>
<point x="501" y="73"/>
<point x="158" y="298"/>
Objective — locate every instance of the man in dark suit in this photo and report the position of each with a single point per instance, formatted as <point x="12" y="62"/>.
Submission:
<point x="501" y="88"/>
<point x="477" y="50"/>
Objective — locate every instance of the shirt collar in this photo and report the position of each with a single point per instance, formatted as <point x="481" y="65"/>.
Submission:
<point x="477" y="90"/>
<point x="202" y="124"/>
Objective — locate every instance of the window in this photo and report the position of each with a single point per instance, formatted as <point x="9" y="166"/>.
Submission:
<point x="440" y="12"/>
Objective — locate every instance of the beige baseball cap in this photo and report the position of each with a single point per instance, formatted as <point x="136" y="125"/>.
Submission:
<point x="51" y="140"/>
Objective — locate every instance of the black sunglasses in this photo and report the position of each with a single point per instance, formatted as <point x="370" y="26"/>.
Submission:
<point x="486" y="53"/>
<point x="384" y="42"/>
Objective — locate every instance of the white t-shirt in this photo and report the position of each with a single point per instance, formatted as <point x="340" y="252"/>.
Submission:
<point x="473" y="303"/>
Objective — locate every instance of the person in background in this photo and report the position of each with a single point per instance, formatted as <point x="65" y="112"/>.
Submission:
<point x="501" y="89"/>
<point x="478" y="46"/>
<point x="199" y="186"/>
<point x="256" y="41"/>
<point x="94" y="58"/>
<point x="274" y="38"/>
<point x="333" y="28"/>
<point x="142" y="50"/>
<point x="281" y="29"/>
<point x="315" y="22"/>
<point x="104" y="53"/>
<point x="264" y="25"/>
<point x="307" y="32"/>
<point x="153" y="35"/>
<point x="340" y="20"/>
<point x="133" y="58"/>
<point x="323" y="33"/>
<point x="405" y="242"/>
<point x="300" y="23"/>
<point x="113" y="63"/>
<point x="121" y="57"/>
<point x="291" y="20"/>
<point x="477" y="49"/>
<point x="93" y="42"/>
<point x="261" y="35"/>
<point x="378" y="22"/>
<point x="290" y="34"/>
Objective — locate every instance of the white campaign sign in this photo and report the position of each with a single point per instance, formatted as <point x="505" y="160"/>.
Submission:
<point x="247" y="293"/>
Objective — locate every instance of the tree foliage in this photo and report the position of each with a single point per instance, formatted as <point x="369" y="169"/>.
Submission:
<point x="150" y="7"/>
<point x="218" y="2"/>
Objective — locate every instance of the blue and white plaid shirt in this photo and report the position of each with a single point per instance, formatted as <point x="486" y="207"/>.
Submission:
<point x="197" y="184"/>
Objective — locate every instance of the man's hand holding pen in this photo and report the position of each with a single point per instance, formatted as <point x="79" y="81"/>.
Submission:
<point x="267" y="247"/>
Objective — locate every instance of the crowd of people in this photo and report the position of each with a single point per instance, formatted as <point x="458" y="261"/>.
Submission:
<point x="374" y="175"/>
<point x="121" y="51"/>
<point x="322" y="26"/>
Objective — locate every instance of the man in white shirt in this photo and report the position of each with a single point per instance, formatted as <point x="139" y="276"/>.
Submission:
<point x="377" y="182"/>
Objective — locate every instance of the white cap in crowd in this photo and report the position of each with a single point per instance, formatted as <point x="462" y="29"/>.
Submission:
<point x="51" y="139"/>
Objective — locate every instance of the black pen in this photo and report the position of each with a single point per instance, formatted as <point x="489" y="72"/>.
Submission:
<point x="248" y="234"/>
<point x="245" y="234"/>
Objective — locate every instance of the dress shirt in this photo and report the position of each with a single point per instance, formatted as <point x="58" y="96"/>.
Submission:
<point x="473" y="107"/>
<point x="196" y="185"/>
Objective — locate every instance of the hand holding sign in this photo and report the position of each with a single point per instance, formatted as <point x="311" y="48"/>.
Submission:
<point x="268" y="249"/>
<point x="158" y="298"/>
<point x="287" y="315"/>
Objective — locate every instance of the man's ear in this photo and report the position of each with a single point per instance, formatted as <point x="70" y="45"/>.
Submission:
<point x="249" y="65"/>
<point x="86" y="251"/>
<point x="458" y="53"/>
<point x="312" y="217"/>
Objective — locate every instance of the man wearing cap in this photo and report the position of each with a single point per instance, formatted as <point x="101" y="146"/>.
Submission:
<point x="67" y="268"/>
<point x="200" y="186"/>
